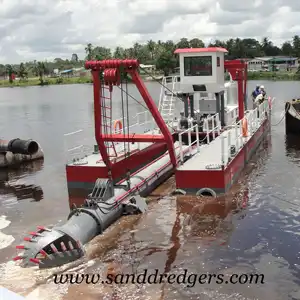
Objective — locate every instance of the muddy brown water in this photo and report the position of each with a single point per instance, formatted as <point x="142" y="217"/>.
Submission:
<point x="253" y="229"/>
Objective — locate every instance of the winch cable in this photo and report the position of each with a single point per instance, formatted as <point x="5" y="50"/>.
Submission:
<point x="128" y="144"/>
<point x="123" y="117"/>
<point x="137" y="101"/>
<point x="159" y="82"/>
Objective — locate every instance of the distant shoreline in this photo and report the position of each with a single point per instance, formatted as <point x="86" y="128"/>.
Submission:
<point x="272" y="76"/>
<point x="47" y="81"/>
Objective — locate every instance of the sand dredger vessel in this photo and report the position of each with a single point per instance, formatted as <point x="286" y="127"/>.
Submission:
<point x="206" y="146"/>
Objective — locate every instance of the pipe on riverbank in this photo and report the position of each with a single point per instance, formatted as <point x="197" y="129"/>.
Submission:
<point x="16" y="152"/>
<point x="18" y="146"/>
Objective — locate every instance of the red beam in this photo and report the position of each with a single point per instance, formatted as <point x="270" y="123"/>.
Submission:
<point x="98" y="119"/>
<point x="132" y="138"/>
<point x="155" y="113"/>
<point x="112" y="63"/>
<point x="241" y="97"/>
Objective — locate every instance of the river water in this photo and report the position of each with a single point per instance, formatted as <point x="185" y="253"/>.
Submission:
<point x="254" y="229"/>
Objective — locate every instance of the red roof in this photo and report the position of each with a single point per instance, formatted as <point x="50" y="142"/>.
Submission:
<point x="197" y="50"/>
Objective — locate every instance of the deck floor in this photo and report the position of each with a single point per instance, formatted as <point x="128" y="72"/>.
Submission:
<point x="95" y="159"/>
<point x="210" y="155"/>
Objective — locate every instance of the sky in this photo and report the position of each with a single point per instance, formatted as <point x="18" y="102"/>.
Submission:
<point x="46" y="29"/>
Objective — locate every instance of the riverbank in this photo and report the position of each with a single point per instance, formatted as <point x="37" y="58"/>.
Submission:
<point x="47" y="81"/>
<point x="279" y="76"/>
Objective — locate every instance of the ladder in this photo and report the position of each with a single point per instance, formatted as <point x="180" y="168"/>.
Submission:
<point x="167" y="102"/>
<point x="106" y="115"/>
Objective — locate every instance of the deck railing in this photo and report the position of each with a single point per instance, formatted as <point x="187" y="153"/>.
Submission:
<point x="75" y="154"/>
<point x="76" y="151"/>
<point x="232" y="115"/>
<point x="140" y="119"/>
<point x="190" y="143"/>
<point x="233" y="140"/>
<point x="212" y="125"/>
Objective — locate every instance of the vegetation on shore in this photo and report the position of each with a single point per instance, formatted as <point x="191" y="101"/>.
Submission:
<point x="49" y="81"/>
<point x="160" y="54"/>
<point x="277" y="76"/>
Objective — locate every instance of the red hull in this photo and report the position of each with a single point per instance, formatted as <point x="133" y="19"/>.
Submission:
<point x="81" y="178"/>
<point x="221" y="181"/>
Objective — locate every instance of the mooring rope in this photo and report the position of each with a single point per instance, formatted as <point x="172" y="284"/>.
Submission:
<point x="283" y="115"/>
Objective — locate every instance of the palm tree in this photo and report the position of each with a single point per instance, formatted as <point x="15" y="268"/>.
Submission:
<point x="89" y="51"/>
<point x="10" y="72"/>
<point x="40" y="70"/>
<point x="22" y="72"/>
<point x="151" y="47"/>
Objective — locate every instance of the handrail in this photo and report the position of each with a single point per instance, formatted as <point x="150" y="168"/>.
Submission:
<point x="216" y="126"/>
<point x="147" y="119"/>
<point x="233" y="114"/>
<point x="82" y="158"/>
<point x="234" y="135"/>
<point x="164" y="80"/>
<point x="166" y="100"/>
<point x="190" y="143"/>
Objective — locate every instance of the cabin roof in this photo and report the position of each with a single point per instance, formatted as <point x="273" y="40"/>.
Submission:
<point x="200" y="50"/>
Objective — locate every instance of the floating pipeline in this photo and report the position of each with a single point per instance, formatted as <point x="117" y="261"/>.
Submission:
<point x="60" y="245"/>
<point x="53" y="247"/>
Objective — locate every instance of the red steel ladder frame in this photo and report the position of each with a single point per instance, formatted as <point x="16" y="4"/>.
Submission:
<point x="111" y="70"/>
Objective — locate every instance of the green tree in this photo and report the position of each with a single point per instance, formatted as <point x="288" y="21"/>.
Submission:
<point x="296" y="46"/>
<point x="287" y="49"/>
<point x="119" y="53"/>
<point x="10" y="71"/>
<point x="151" y="45"/>
<point x="89" y="51"/>
<point x="22" y="73"/>
<point x="183" y="43"/>
<point x="101" y="53"/>
<point x="166" y="62"/>
<point x="40" y="71"/>
<point x="196" y="43"/>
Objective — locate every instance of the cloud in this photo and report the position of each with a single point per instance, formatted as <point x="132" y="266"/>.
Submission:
<point x="40" y="29"/>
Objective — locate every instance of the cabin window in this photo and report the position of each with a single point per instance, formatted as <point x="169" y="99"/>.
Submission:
<point x="198" y="66"/>
<point x="218" y="61"/>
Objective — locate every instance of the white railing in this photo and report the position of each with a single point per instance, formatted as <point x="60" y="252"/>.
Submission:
<point x="75" y="154"/>
<point x="190" y="143"/>
<point x="232" y="115"/>
<point x="212" y="125"/>
<point x="167" y="99"/>
<point x="140" y="119"/>
<point x="168" y="83"/>
<point x="234" y="137"/>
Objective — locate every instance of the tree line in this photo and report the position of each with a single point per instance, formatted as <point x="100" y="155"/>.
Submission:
<point x="160" y="54"/>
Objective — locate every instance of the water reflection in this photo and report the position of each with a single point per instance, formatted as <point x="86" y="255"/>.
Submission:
<point x="9" y="184"/>
<point x="292" y="145"/>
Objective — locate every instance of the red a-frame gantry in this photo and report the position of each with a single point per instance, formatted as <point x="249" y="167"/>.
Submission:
<point x="111" y="70"/>
<point x="238" y="71"/>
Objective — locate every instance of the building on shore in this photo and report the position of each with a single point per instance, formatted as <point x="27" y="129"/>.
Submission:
<point x="278" y="63"/>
